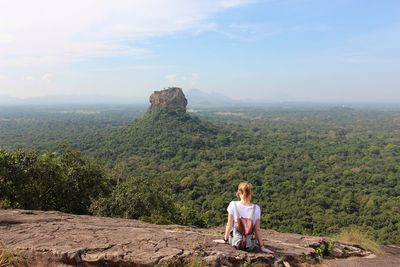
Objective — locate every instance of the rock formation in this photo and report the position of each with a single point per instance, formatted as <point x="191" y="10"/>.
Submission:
<point x="172" y="97"/>
<point x="59" y="239"/>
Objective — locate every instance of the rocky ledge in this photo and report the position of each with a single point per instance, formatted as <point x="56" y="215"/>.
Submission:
<point x="58" y="239"/>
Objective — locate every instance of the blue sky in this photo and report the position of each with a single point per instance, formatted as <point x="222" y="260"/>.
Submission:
<point x="292" y="50"/>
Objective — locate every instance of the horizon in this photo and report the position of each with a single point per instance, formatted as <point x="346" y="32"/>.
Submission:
<point x="73" y="99"/>
<point x="270" y="51"/>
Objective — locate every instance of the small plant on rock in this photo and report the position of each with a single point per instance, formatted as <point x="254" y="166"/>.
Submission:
<point x="304" y="257"/>
<point x="325" y="248"/>
<point x="9" y="258"/>
<point x="247" y="263"/>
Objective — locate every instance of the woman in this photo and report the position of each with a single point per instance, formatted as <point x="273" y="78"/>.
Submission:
<point x="244" y="209"/>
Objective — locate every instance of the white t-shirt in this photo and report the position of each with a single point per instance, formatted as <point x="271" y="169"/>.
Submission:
<point x="244" y="211"/>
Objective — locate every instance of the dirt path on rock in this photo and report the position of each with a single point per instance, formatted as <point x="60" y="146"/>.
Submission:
<point x="389" y="258"/>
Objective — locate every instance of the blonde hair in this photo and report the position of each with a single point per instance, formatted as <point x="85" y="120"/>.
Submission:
<point x="246" y="189"/>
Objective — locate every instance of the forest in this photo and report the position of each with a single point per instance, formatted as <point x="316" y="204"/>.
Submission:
<point x="315" y="169"/>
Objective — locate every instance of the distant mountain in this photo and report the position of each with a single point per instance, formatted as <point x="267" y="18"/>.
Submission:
<point x="80" y="99"/>
<point x="197" y="97"/>
<point x="67" y="99"/>
<point x="9" y="100"/>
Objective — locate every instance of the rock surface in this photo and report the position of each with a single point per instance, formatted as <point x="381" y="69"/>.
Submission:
<point x="59" y="239"/>
<point x="172" y="97"/>
<point x="390" y="257"/>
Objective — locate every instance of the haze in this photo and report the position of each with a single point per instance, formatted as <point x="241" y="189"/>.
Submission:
<point x="289" y="50"/>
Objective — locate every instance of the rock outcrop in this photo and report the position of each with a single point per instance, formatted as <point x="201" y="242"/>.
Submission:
<point x="59" y="239"/>
<point x="172" y="97"/>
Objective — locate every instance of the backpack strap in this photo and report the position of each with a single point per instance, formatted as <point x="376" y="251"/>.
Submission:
<point x="235" y="211"/>
<point x="253" y="211"/>
<point x="252" y="216"/>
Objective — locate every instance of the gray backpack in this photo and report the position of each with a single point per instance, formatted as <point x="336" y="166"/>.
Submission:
<point x="242" y="234"/>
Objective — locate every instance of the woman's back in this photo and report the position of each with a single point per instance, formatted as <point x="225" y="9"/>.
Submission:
<point x="243" y="225"/>
<point x="236" y="208"/>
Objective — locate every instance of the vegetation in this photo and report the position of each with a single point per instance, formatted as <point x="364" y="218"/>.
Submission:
<point x="10" y="258"/>
<point x="137" y="198"/>
<point x="51" y="181"/>
<point x="355" y="235"/>
<point x="191" y="261"/>
<point x="325" y="249"/>
<point x="316" y="170"/>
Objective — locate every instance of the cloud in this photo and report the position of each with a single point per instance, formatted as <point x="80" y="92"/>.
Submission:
<point x="52" y="32"/>
<point x="28" y="78"/>
<point x="171" y="78"/>
<point x="190" y="80"/>
<point x="267" y="30"/>
<point x="6" y="38"/>
<point x="47" y="77"/>
<point x="134" y="67"/>
<point x="234" y="3"/>
<point x="187" y="80"/>
<point x="206" y="27"/>
<point x="378" y="46"/>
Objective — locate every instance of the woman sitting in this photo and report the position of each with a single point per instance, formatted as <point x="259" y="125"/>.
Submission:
<point x="243" y="226"/>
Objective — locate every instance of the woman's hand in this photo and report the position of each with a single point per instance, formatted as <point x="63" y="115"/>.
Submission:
<point x="220" y="241"/>
<point x="265" y="250"/>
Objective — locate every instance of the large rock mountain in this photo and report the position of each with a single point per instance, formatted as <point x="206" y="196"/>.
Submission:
<point x="164" y="132"/>
<point x="172" y="97"/>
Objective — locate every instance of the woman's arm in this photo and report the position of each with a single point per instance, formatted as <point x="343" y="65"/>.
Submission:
<point x="229" y="226"/>
<point x="258" y="233"/>
<point x="260" y="238"/>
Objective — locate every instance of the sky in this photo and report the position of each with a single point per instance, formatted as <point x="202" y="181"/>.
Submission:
<point x="273" y="50"/>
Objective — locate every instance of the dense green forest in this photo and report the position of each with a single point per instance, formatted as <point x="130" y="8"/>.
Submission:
<point x="315" y="169"/>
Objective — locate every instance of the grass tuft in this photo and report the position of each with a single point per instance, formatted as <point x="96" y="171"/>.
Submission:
<point x="9" y="258"/>
<point x="191" y="261"/>
<point x="357" y="235"/>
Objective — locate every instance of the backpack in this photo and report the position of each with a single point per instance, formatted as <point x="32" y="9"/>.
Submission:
<point x="242" y="235"/>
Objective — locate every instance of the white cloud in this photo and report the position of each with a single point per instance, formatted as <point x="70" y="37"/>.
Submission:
<point x="137" y="67"/>
<point x="206" y="27"/>
<point x="190" y="80"/>
<point x="234" y="3"/>
<point x="171" y="78"/>
<point x="186" y="81"/>
<point x="51" y="32"/>
<point x="263" y="29"/>
<point x="28" y="78"/>
<point x="47" y="77"/>
<point x="6" y="38"/>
